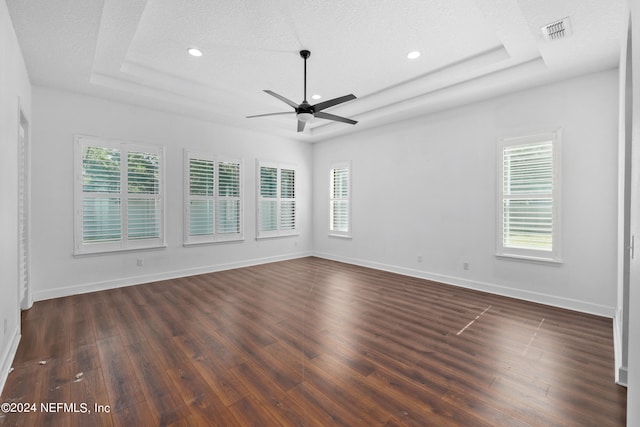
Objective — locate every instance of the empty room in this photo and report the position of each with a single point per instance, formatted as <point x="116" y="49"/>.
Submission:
<point x="320" y="213"/>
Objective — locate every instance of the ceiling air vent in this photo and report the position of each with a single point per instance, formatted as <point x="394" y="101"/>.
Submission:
<point x="557" y="30"/>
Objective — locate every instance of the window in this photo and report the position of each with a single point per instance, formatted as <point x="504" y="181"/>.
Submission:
<point x="213" y="205"/>
<point x="340" y="200"/>
<point x="119" y="195"/>
<point x="529" y="197"/>
<point x="276" y="200"/>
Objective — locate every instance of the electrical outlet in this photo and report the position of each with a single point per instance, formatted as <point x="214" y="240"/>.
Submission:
<point x="465" y="265"/>
<point x="140" y="262"/>
<point x="419" y="258"/>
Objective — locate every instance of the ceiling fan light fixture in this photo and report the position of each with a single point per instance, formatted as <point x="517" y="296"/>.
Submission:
<point x="194" y="51"/>
<point x="304" y="117"/>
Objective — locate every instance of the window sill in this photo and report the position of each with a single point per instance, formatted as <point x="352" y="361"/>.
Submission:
<point x="530" y="258"/>
<point x="213" y="242"/>
<point x="276" y="236"/>
<point x="341" y="236"/>
<point x="119" y="250"/>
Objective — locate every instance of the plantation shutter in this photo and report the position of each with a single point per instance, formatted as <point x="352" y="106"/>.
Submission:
<point x="268" y="203"/>
<point x="201" y="197"/>
<point x="528" y="196"/>
<point x="101" y="183"/>
<point x="288" y="199"/>
<point x="119" y="196"/>
<point x="214" y="208"/>
<point x="277" y="208"/>
<point x="339" y="200"/>
<point x="23" y="213"/>
<point x="228" y="198"/>
<point x="143" y="204"/>
<point x="529" y="220"/>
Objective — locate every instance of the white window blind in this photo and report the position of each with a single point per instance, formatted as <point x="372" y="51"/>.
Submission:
<point x="287" y="199"/>
<point x="277" y="208"/>
<point x="201" y="202"/>
<point x="213" y="202"/>
<point x="529" y="221"/>
<point x="143" y="203"/>
<point x="119" y="196"/>
<point x="24" y="228"/>
<point x="340" y="200"/>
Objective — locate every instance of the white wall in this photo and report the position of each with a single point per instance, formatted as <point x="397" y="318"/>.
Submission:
<point x="58" y="115"/>
<point x="15" y="94"/>
<point x="427" y="187"/>
<point x="633" y="392"/>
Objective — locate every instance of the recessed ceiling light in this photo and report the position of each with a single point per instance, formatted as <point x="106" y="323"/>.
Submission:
<point x="194" y="51"/>
<point x="316" y="96"/>
<point x="413" y="55"/>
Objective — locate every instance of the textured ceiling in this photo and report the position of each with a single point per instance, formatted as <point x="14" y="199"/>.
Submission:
<point x="135" y="51"/>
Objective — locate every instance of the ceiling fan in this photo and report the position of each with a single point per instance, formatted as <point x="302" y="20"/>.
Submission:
<point x="305" y="112"/>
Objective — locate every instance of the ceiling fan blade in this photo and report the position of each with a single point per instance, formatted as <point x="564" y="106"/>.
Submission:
<point x="270" y="114"/>
<point x="328" y="116"/>
<point x="282" y="98"/>
<point x="301" y="125"/>
<point x="335" y="101"/>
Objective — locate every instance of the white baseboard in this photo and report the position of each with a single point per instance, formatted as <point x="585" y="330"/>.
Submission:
<point x="7" y="358"/>
<point x="622" y="376"/>
<point x="39" y="295"/>
<point x="571" y="304"/>
<point x="621" y="373"/>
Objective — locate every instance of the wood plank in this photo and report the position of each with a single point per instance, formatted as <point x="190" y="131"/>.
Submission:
<point x="90" y="389"/>
<point x="323" y="409"/>
<point x="216" y="375"/>
<point x="249" y="412"/>
<point x="211" y="412"/>
<point x="121" y="382"/>
<point x="137" y="414"/>
<point x="166" y="405"/>
<point x="275" y="400"/>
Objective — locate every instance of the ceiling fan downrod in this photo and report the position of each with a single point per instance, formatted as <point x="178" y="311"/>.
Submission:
<point x="305" y="54"/>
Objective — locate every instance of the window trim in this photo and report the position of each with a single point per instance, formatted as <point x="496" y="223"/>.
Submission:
<point x="333" y="166"/>
<point x="555" y="255"/>
<point x="278" y="232"/>
<point x="123" y="244"/>
<point x="216" y="237"/>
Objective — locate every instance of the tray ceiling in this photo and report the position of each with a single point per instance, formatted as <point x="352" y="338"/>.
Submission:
<point x="136" y="51"/>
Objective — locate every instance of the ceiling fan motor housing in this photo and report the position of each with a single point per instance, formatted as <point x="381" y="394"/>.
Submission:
<point x="305" y="107"/>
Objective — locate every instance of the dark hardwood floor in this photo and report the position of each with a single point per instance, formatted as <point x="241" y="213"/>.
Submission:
<point x="311" y="342"/>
